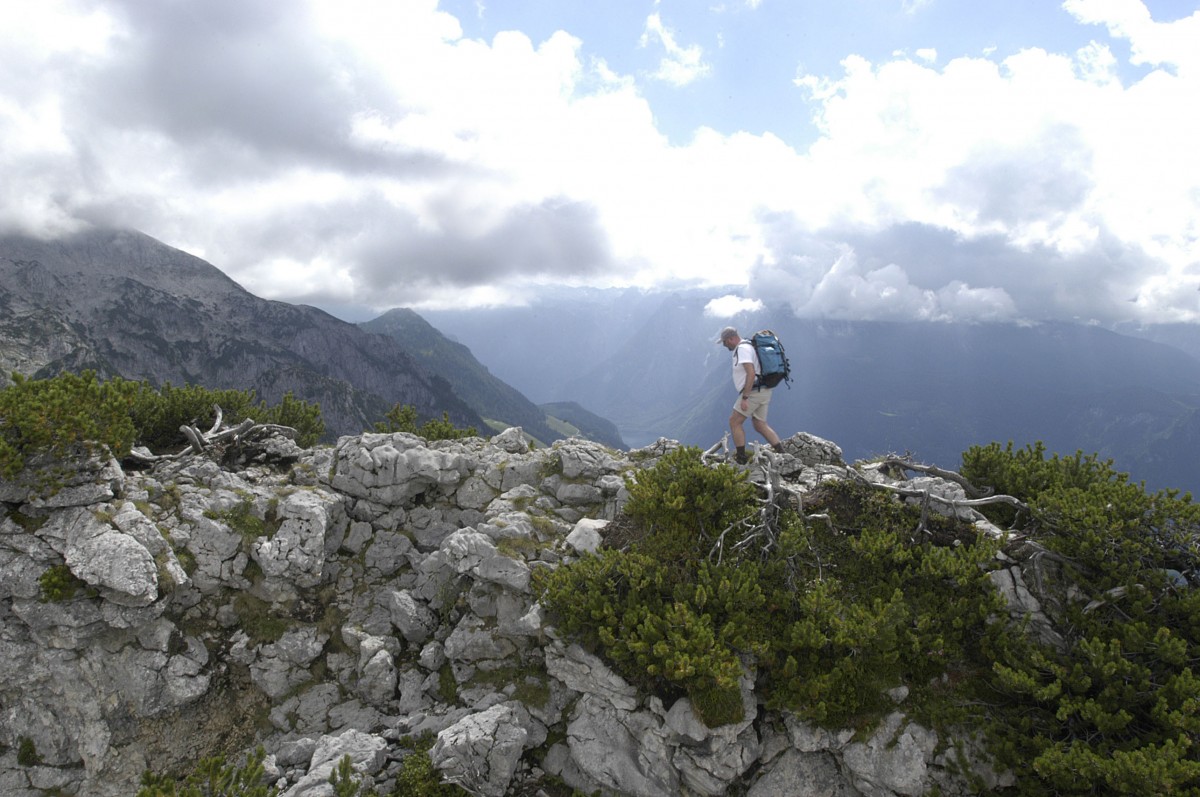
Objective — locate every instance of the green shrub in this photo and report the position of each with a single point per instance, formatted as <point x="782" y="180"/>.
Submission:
<point x="213" y="778"/>
<point x="58" y="583"/>
<point x="830" y="619"/>
<point x="159" y="414"/>
<point x="404" y="419"/>
<point x="1117" y="710"/>
<point x="864" y="603"/>
<point x="27" y="754"/>
<point x="62" y="416"/>
<point x="419" y="778"/>
<point x="71" y="413"/>
<point x="346" y="782"/>
<point x="682" y="505"/>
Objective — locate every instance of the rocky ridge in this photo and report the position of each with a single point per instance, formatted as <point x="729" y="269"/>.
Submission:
<point x="339" y="601"/>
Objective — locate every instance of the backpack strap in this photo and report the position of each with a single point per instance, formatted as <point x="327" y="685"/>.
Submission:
<point x="757" y="363"/>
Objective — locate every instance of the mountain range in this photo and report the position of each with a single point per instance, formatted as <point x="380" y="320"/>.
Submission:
<point x="124" y="304"/>
<point x="619" y="366"/>
<point x="493" y="397"/>
<point x="932" y="390"/>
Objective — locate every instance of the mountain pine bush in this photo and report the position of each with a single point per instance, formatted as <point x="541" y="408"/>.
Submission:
<point x="1117" y="709"/>
<point x="67" y="414"/>
<point x="72" y="413"/>
<point x="403" y="418"/>
<point x="158" y="413"/>
<point x="213" y="777"/>
<point x="839" y="613"/>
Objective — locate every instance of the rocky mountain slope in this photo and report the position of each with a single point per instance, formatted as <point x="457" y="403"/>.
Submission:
<point x="121" y="303"/>
<point x="487" y="395"/>
<point x="344" y="601"/>
<point x="933" y="389"/>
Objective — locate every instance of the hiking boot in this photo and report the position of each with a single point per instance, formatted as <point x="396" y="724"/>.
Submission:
<point x="741" y="458"/>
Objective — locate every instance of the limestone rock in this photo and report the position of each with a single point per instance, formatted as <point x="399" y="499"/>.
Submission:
<point x="282" y="666"/>
<point x="412" y="618"/>
<point x="800" y="774"/>
<point x="893" y="761"/>
<point x="366" y="756"/>
<point x="585" y="536"/>
<point x="110" y="560"/>
<point x="583" y="672"/>
<point x="312" y="526"/>
<point x="420" y="557"/>
<point x="395" y="469"/>
<point x="625" y="751"/>
<point x="480" y="751"/>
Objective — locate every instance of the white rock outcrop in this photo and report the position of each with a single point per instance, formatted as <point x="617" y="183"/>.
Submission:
<point x="383" y="591"/>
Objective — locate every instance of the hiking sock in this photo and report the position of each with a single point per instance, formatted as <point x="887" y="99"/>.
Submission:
<point x="741" y="455"/>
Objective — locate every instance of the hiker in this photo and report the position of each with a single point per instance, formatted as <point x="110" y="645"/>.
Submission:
<point x="752" y="399"/>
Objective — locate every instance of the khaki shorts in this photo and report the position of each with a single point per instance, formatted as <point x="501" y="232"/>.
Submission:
<point x="756" y="405"/>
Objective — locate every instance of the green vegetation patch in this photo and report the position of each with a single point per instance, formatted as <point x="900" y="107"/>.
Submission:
<point x="213" y="778"/>
<point x="1116" y="708"/>
<point x="835" y="613"/>
<point x="404" y="418"/>
<point x="257" y="619"/>
<point x="244" y="519"/>
<point x="58" y="584"/>
<point x="73" y="413"/>
<point x="62" y="416"/>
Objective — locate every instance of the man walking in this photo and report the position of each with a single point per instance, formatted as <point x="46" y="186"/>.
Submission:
<point x="752" y="398"/>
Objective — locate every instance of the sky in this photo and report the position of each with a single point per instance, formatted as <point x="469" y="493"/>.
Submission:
<point x="938" y="160"/>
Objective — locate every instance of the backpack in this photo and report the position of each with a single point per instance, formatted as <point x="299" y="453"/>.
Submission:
<point x="773" y="361"/>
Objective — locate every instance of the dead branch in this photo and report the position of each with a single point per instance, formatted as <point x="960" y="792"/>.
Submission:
<point x="199" y="442"/>
<point x="761" y="530"/>
<point x="721" y="445"/>
<point x="933" y="470"/>
<point x="954" y="502"/>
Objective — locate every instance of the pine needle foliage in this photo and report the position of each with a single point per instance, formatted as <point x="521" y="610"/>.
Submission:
<point x="158" y="413"/>
<point x="404" y="418"/>
<point x="79" y="413"/>
<point x="65" y="415"/>
<point x="1116" y="708"/>
<point x="839" y="613"/>
<point x="213" y="778"/>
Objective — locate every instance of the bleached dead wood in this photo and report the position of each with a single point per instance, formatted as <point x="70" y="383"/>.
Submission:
<point x="759" y="531"/>
<point x="720" y="447"/>
<point x="981" y="497"/>
<point x="199" y="442"/>
<point x="932" y="470"/>
<point x="955" y="502"/>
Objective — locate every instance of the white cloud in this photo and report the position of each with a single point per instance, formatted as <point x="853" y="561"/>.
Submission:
<point x="1152" y="43"/>
<point x="379" y="155"/>
<point x="680" y="65"/>
<point x="730" y="305"/>
<point x="836" y="283"/>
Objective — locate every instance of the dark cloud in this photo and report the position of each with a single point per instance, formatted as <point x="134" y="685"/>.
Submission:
<point x="1043" y="180"/>
<point x="244" y="85"/>
<point x="394" y="258"/>
<point x="920" y="271"/>
<point x="554" y="238"/>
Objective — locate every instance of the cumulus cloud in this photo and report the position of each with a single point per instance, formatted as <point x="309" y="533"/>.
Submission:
<point x="730" y="305"/>
<point x="367" y="152"/>
<point x="680" y="65"/>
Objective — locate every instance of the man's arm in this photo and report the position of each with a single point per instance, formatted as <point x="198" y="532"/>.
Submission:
<point x="748" y="385"/>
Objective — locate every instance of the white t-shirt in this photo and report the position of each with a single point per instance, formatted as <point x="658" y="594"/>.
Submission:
<point x="744" y="353"/>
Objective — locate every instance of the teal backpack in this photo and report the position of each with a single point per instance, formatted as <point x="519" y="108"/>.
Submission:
<point x="771" y="358"/>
